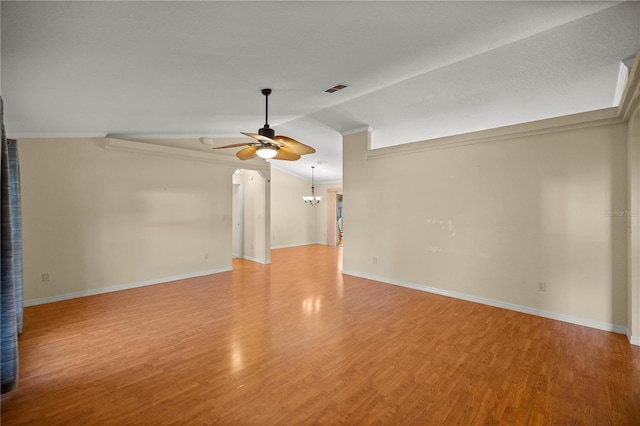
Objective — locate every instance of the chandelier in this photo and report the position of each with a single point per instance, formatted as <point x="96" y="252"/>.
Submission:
<point x="313" y="199"/>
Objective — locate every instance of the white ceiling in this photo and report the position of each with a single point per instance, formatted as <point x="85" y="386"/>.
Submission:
<point x="416" y="70"/>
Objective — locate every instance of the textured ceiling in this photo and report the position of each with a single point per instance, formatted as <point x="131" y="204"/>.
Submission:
<point x="416" y="70"/>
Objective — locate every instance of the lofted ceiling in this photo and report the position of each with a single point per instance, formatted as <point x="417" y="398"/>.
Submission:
<point x="417" y="70"/>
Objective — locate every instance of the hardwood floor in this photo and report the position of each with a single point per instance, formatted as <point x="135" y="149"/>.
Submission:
<point x="296" y="342"/>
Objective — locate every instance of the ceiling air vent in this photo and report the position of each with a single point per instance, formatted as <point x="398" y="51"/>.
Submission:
<point x="335" y="88"/>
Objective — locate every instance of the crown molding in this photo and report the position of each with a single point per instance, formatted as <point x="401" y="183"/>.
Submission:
<point x="26" y="135"/>
<point x="631" y="95"/>
<point x="167" y="151"/>
<point x="601" y="117"/>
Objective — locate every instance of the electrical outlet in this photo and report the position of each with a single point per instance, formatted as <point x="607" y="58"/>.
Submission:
<point x="46" y="276"/>
<point x="206" y="256"/>
<point x="542" y="286"/>
<point x="375" y="260"/>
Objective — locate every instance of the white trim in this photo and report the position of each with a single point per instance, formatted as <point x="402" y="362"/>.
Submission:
<point x="20" y="135"/>
<point x="160" y="136"/>
<point x="505" y="305"/>
<point x="634" y="340"/>
<point x="623" y="77"/>
<point x="357" y="130"/>
<point x="255" y="259"/>
<point x="551" y="125"/>
<point x="120" y="287"/>
<point x="295" y="245"/>
<point x="631" y="94"/>
<point x="168" y="151"/>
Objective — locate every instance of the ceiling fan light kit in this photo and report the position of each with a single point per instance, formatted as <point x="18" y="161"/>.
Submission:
<point x="266" y="152"/>
<point x="268" y="145"/>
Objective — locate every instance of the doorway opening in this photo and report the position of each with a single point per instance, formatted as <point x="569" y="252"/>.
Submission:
<point x="251" y="230"/>
<point x="334" y="231"/>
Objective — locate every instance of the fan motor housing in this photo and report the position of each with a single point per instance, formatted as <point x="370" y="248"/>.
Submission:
<point x="267" y="131"/>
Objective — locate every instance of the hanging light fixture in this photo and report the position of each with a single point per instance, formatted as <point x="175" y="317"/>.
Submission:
<point x="313" y="199"/>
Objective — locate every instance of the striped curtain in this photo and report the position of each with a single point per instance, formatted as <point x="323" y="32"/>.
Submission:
<point x="11" y="261"/>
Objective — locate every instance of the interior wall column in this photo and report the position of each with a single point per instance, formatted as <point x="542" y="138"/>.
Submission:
<point x="331" y="217"/>
<point x="355" y="145"/>
<point x="633" y="216"/>
<point x="630" y="110"/>
<point x="267" y="215"/>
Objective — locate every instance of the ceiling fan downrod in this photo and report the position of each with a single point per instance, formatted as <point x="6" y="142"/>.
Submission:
<point x="266" y="130"/>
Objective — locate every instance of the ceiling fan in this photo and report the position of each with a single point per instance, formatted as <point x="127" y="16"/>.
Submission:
<point x="268" y="144"/>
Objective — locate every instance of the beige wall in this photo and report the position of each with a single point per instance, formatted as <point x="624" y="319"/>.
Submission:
<point x="293" y="222"/>
<point x="96" y="219"/>
<point x="487" y="220"/>
<point x="101" y="219"/>
<point x="490" y="218"/>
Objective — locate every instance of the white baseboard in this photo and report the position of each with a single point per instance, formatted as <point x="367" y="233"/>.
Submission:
<point x="290" y="245"/>
<point x="119" y="287"/>
<point x="634" y="340"/>
<point x="255" y="259"/>
<point x="295" y="245"/>
<point x="505" y="305"/>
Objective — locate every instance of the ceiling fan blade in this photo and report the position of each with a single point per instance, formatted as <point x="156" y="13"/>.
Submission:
<point x="284" y="154"/>
<point x="247" y="153"/>
<point x="261" y="138"/>
<point x="293" y="145"/>
<point x="235" y="145"/>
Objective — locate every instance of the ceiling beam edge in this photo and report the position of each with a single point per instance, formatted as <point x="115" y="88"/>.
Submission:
<point x="167" y="151"/>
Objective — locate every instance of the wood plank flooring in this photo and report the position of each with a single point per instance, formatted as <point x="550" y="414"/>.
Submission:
<point x="296" y="342"/>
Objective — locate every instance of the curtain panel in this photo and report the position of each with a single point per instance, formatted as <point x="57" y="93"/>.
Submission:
<point x="11" y="303"/>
